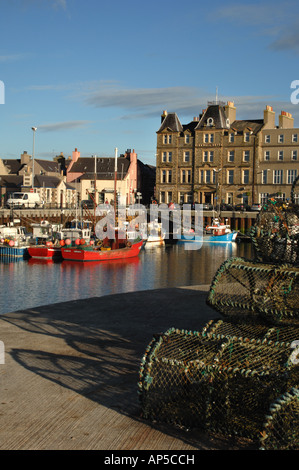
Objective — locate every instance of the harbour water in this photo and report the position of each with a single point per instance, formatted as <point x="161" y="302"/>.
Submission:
<point x="32" y="283"/>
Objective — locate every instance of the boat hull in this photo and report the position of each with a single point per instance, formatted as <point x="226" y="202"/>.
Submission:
<point x="89" y="254"/>
<point x="44" y="252"/>
<point x="206" y="238"/>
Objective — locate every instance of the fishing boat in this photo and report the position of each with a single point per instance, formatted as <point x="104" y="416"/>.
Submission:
<point x="46" y="251"/>
<point x="102" y="250"/>
<point x="217" y="232"/>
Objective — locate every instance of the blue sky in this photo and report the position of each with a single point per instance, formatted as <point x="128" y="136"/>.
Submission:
<point x="97" y="75"/>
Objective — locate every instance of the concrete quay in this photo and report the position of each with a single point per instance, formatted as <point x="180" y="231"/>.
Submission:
<point x="69" y="381"/>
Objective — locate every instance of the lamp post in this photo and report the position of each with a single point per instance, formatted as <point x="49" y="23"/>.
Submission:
<point x="217" y="184"/>
<point x="32" y="183"/>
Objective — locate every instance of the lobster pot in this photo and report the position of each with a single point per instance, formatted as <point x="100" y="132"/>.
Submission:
<point x="275" y="235"/>
<point x="220" y="383"/>
<point x="245" y="291"/>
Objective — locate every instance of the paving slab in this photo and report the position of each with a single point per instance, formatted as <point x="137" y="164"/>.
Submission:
<point x="69" y="381"/>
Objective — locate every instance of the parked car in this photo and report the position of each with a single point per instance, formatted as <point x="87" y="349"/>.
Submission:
<point x="207" y="207"/>
<point x="226" y="207"/>
<point x="256" y="207"/>
<point x="242" y="207"/>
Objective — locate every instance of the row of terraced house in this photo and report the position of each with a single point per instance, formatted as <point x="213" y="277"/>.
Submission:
<point x="65" y="182"/>
<point x="218" y="159"/>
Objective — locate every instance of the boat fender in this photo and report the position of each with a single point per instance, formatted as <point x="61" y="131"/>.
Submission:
<point x="129" y="244"/>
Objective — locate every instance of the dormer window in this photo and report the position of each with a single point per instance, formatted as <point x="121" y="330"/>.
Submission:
<point x="210" y="121"/>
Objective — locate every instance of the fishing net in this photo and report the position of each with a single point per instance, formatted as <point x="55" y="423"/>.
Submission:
<point x="240" y="374"/>
<point x="224" y="379"/>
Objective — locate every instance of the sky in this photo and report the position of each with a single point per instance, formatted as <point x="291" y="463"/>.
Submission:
<point x="97" y="75"/>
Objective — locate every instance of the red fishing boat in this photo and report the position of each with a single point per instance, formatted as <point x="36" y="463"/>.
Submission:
<point x="102" y="252"/>
<point x="45" y="251"/>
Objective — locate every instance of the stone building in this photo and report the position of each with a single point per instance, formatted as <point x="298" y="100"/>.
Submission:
<point x="218" y="159"/>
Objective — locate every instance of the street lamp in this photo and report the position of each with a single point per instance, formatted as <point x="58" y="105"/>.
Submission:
<point x="32" y="183"/>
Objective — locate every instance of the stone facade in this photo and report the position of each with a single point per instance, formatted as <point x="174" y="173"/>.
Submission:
<point x="218" y="159"/>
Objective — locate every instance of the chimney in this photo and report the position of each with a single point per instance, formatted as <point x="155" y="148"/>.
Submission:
<point x="76" y="155"/>
<point x="25" y="158"/>
<point x="163" y="116"/>
<point x="269" y="118"/>
<point x="230" y="111"/>
<point x="286" y="121"/>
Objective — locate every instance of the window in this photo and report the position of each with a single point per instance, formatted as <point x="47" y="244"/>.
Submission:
<point x="210" y="121"/>
<point x="186" y="176"/>
<point x="231" y="156"/>
<point x="163" y="176"/>
<point x="294" y="138"/>
<point x="264" y="197"/>
<point x="211" y="156"/>
<point x="169" y="176"/>
<point x="208" y="138"/>
<point x="245" y="176"/>
<point x="164" y="157"/>
<point x="169" y="196"/>
<point x="170" y="156"/>
<point x="231" y="137"/>
<point x="267" y="139"/>
<point x="229" y="198"/>
<point x="246" y="155"/>
<point x="162" y="196"/>
<point x="246" y="136"/>
<point x="167" y="139"/>
<point x="205" y="156"/>
<point x="280" y="139"/>
<point x="187" y="139"/>
<point x="292" y="175"/>
<point x="186" y="156"/>
<point x="208" y="176"/>
<point x="264" y="176"/>
<point x="267" y="155"/>
<point x="201" y="176"/>
<point x="280" y="155"/>
<point x="294" y="155"/>
<point x="277" y="176"/>
<point x="230" y="177"/>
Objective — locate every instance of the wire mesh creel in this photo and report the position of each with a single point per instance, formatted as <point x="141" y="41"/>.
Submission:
<point x="275" y="235"/>
<point x="232" y="383"/>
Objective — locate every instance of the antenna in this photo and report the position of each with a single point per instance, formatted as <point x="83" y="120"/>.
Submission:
<point x="216" y="94"/>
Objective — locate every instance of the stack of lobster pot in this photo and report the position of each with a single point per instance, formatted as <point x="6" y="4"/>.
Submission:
<point x="239" y="375"/>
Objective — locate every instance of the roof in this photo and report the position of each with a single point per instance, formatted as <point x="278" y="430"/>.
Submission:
<point x="13" y="165"/>
<point x="41" y="181"/>
<point x="252" y="125"/>
<point x="105" y="167"/>
<point x="215" y="114"/>
<point x="11" y="181"/>
<point x="171" y="122"/>
<point x="48" y="165"/>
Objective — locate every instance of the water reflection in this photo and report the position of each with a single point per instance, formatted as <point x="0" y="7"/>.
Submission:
<point x="32" y="283"/>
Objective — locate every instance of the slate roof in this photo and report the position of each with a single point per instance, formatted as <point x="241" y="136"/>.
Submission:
<point x="215" y="112"/>
<point x="48" y="165"/>
<point x="11" y="181"/>
<point x="41" y="181"/>
<point x="172" y="122"/>
<point x="243" y="125"/>
<point x="13" y="165"/>
<point x="105" y="167"/>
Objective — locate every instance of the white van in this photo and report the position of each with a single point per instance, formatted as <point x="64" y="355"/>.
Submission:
<point x="23" y="200"/>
